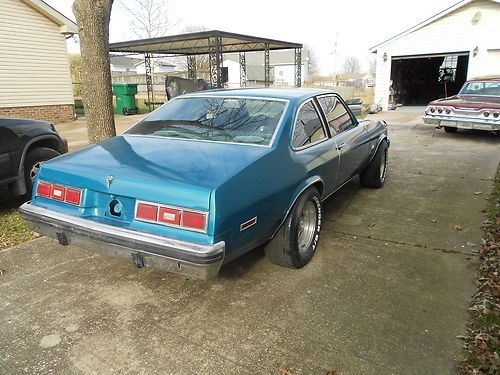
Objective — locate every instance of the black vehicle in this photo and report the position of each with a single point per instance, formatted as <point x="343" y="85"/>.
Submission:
<point x="24" y="145"/>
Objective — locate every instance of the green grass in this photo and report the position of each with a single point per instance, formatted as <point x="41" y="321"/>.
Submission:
<point x="13" y="230"/>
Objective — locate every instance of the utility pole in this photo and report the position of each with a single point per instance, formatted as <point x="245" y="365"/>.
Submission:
<point x="335" y="50"/>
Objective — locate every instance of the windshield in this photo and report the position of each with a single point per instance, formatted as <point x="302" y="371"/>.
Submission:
<point x="489" y="88"/>
<point x="239" y="120"/>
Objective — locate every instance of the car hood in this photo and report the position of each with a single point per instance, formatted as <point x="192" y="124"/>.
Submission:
<point x="165" y="170"/>
<point x="470" y="101"/>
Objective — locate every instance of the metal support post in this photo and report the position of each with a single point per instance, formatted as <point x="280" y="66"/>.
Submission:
<point x="191" y="67"/>
<point x="298" y="67"/>
<point x="215" y="57"/>
<point x="243" y="70"/>
<point x="267" y="79"/>
<point x="149" y="81"/>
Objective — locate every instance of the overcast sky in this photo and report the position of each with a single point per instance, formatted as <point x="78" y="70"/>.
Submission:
<point x="358" y="24"/>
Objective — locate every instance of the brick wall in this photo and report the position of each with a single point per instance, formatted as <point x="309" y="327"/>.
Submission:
<point x="52" y="113"/>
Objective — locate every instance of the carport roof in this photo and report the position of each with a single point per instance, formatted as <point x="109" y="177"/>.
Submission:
<point x="198" y="43"/>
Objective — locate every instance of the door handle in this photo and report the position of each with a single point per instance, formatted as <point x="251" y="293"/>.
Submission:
<point x="340" y="146"/>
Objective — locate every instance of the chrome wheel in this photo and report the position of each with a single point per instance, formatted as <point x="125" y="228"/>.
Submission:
<point x="34" y="171"/>
<point x="307" y="226"/>
<point x="383" y="164"/>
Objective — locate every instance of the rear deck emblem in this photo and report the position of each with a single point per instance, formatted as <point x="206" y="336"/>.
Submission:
<point x="109" y="180"/>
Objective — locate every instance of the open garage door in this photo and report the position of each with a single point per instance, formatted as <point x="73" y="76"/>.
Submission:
<point x="417" y="80"/>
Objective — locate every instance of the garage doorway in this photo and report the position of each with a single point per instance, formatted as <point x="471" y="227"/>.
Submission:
<point x="417" y="80"/>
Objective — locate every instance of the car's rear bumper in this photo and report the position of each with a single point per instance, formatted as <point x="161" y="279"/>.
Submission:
<point x="463" y="123"/>
<point x="144" y="249"/>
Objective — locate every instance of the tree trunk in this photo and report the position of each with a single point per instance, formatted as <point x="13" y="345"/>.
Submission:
<point x="92" y="17"/>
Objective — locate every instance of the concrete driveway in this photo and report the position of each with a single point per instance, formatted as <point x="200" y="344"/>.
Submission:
<point x="386" y="292"/>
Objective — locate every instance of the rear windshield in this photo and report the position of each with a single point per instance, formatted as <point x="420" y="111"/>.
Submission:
<point x="490" y="88"/>
<point x="250" y="121"/>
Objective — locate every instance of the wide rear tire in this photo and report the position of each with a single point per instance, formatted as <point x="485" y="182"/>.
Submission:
<point x="375" y="174"/>
<point x="295" y="243"/>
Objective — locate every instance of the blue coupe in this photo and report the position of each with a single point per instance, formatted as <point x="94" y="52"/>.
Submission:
<point x="209" y="176"/>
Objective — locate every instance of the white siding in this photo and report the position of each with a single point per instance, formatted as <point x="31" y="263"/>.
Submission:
<point x="455" y="32"/>
<point x="34" y="68"/>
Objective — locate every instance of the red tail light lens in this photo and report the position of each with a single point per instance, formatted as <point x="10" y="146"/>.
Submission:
<point x="146" y="212"/>
<point x="171" y="216"/>
<point x="59" y="193"/>
<point x="43" y="189"/>
<point x="73" y="196"/>
<point x="194" y="220"/>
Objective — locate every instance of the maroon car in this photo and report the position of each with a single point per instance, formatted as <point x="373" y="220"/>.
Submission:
<point x="477" y="106"/>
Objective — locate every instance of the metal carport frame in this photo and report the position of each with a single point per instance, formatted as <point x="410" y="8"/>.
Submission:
<point x="212" y="43"/>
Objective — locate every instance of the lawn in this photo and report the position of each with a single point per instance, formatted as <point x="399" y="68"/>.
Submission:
<point x="13" y="230"/>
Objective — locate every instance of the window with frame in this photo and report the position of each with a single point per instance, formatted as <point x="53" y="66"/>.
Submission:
<point x="308" y="127"/>
<point x="336" y="114"/>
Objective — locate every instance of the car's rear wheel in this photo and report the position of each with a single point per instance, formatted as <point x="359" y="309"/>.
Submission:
<point x="32" y="163"/>
<point x="375" y="174"/>
<point x="295" y="243"/>
<point x="449" y="129"/>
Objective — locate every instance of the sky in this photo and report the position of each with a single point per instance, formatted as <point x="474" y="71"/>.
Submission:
<point x="355" y="25"/>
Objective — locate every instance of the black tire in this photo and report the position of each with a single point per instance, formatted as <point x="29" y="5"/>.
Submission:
<point x="125" y="111"/>
<point x="283" y="249"/>
<point x="33" y="157"/>
<point x="449" y="129"/>
<point x="374" y="175"/>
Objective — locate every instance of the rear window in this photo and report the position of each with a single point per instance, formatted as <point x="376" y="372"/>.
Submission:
<point x="235" y="120"/>
<point x="490" y="88"/>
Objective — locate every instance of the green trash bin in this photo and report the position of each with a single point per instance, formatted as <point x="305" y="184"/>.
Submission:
<point x="125" y="98"/>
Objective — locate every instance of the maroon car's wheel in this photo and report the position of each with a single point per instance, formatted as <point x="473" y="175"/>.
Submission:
<point x="295" y="243"/>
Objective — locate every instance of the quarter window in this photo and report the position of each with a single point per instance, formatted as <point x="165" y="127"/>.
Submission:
<point x="336" y="114"/>
<point x="308" y="127"/>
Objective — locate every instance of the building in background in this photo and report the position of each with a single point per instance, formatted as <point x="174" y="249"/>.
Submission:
<point x="434" y="58"/>
<point x="123" y="64"/>
<point x="282" y="68"/>
<point x="35" y="79"/>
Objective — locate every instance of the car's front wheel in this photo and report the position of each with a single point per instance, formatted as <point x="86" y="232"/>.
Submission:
<point x="295" y="243"/>
<point x="32" y="164"/>
<point x="449" y="129"/>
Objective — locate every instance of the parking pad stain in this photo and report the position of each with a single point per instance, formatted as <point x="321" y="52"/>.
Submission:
<point x="50" y="341"/>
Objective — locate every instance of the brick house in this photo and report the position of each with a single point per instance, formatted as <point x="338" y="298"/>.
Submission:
<point x="35" y="79"/>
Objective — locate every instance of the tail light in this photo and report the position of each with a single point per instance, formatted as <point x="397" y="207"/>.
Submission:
<point x="433" y="110"/>
<point x="486" y="114"/>
<point x="447" y="111"/>
<point x="171" y="216"/>
<point x="440" y="110"/>
<point x="496" y="114"/>
<point x="59" y="193"/>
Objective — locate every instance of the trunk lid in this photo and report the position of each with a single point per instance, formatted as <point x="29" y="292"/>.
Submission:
<point x="169" y="171"/>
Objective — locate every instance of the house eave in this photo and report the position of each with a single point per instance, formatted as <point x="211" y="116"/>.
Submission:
<point x="67" y="27"/>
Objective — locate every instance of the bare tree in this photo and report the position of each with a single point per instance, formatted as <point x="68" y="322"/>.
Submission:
<point x="202" y="61"/>
<point x="351" y="64"/>
<point x="372" y="65"/>
<point x="313" y="61"/>
<point x="149" y="18"/>
<point x="92" y="17"/>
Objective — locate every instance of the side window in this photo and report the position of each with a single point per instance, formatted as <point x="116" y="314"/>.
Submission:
<point x="308" y="127"/>
<point x="336" y="114"/>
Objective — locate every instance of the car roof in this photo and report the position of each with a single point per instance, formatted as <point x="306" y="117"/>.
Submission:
<point x="273" y="93"/>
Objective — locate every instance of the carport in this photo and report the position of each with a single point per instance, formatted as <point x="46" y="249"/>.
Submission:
<point x="419" y="79"/>
<point x="212" y="43"/>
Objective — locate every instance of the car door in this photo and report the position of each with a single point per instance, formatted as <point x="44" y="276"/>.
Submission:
<point x="351" y="138"/>
<point x="312" y="145"/>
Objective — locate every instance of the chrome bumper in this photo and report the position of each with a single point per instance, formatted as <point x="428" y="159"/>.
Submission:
<point x="463" y="123"/>
<point x="144" y="249"/>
